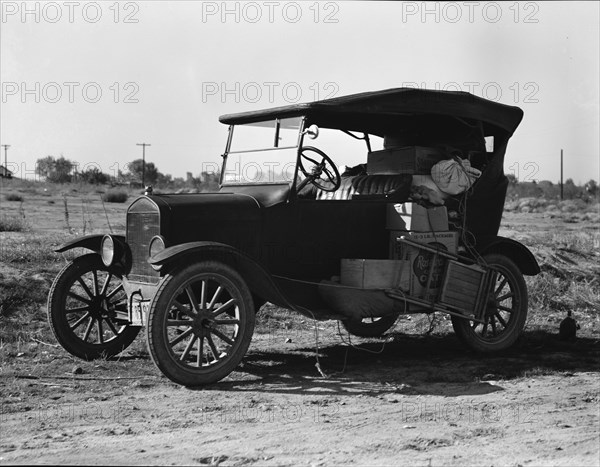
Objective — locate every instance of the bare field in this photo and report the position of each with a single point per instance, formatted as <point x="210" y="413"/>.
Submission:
<point x="414" y="397"/>
<point x="75" y="209"/>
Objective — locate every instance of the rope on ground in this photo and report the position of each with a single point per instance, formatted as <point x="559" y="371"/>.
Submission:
<point x="45" y="343"/>
<point x="84" y="378"/>
<point x="317" y="364"/>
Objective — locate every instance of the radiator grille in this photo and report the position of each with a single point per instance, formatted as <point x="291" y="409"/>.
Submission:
<point x="141" y="227"/>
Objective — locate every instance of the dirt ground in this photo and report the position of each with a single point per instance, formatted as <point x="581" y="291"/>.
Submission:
<point x="410" y="398"/>
<point x="421" y="400"/>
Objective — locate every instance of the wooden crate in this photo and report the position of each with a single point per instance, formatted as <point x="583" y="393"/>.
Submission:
<point x="405" y="160"/>
<point x="463" y="287"/>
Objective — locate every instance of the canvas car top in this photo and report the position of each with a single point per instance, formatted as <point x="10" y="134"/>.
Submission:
<point x="357" y="111"/>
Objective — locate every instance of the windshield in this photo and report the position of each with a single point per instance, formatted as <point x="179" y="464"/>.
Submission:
<point x="263" y="152"/>
<point x="266" y="152"/>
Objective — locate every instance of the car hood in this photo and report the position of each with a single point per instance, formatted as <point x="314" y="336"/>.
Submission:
<point x="221" y="217"/>
<point x="219" y="206"/>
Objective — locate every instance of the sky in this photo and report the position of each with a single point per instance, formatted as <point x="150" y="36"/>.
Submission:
<point x="91" y="80"/>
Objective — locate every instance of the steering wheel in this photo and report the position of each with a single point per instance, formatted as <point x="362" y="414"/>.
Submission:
<point x="325" y="167"/>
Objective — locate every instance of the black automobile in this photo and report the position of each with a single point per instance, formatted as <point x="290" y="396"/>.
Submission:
<point x="289" y="225"/>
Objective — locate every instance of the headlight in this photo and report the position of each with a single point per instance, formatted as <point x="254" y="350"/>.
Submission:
<point x="114" y="252"/>
<point x="108" y="250"/>
<point x="157" y="244"/>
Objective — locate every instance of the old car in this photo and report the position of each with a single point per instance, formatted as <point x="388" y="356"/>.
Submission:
<point x="289" y="226"/>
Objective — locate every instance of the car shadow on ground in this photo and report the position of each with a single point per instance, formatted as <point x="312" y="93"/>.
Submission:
<point x="409" y="364"/>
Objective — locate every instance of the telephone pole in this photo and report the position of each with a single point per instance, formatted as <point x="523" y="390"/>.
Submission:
<point x="561" y="174"/>
<point x="5" y="146"/>
<point x="143" y="145"/>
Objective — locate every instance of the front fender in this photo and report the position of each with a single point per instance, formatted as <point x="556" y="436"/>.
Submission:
<point x="177" y="252"/>
<point x="91" y="242"/>
<point x="258" y="279"/>
<point x="514" y="250"/>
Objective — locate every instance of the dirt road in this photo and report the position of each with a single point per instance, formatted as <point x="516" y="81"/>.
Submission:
<point x="424" y="400"/>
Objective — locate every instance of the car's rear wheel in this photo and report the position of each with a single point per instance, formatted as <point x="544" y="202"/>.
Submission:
<point x="200" y="323"/>
<point x="87" y="309"/>
<point x="505" y="312"/>
<point x="370" y="327"/>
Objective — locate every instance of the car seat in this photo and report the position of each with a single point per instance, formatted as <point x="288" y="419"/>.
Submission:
<point x="384" y="186"/>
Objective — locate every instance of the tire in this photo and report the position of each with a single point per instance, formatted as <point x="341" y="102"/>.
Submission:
<point x="505" y="313"/>
<point x="370" y="327"/>
<point x="82" y="307"/>
<point x="200" y="323"/>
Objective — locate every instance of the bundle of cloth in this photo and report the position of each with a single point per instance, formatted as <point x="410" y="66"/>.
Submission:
<point x="448" y="177"/>
<point x="454" y="176"/>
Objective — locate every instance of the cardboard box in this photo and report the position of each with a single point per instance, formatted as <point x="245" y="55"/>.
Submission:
<point x="414" y="217"/>
<point x="419" y="260"/>
<point x="406" y="160"/>
<point x="375" y="274"/>
<point x="449" y="240"/>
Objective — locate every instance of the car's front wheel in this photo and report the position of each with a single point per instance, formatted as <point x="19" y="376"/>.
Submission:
<point x="87" y="309"/>
<point x="200" y="323"/>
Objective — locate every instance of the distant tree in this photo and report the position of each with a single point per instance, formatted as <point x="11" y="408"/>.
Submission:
<point x="527" y="190"/>
<point x="178" y="182"/>
<point x="591" y="188"/>
<point x="570" y="190"/>
<point x="94" y="176"/>
<point x="122" y="177"/>
<point x="135" y="169"/>
<point x="210" y="180"/>
<point x="163" y="180"/>
<point x="55" y="170"/>
<point x="550" y="191"/>
<point x="44" y="166"/>
<point x="512" y="179"/>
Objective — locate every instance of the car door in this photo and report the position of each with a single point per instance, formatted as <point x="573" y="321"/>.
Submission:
<point x="305" y="239"/>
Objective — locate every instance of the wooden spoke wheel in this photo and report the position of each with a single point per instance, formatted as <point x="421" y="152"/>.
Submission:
<point x="505" y="310"/>
<point x="87" y="309"/>
<point x="200" y="323"/>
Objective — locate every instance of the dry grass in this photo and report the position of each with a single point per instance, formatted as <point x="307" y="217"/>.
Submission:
<point x="15" y="294"/>
<point x="33" y="251"/>
<point x="570" y="280"/>
<point x="13" y="224"/>
<point x="550" y="298"/>
<point x="552" y="206"/>
<point x="13" y="197"/>
<point x="65" y="209"/>
<point x="115" y="196"/>
<point x="28" y="264"/>
<point x="21" y="309"/>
